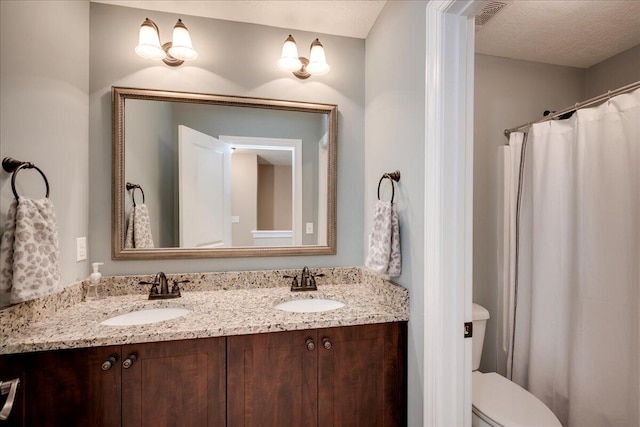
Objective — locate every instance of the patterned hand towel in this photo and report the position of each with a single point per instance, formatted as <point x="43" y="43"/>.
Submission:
<point x="138" y="228"/>
<point x="29" y="254"/>
<point x="384" y="241"/>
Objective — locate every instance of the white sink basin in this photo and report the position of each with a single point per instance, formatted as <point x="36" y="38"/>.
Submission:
<point x="312" y="305"/>
<point x="146" y="316"/>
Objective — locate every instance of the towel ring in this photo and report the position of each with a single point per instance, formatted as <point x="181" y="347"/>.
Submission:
<point x="391" y="176"/>
<point x="14" y="166"/>
<point x="133" y="187"/>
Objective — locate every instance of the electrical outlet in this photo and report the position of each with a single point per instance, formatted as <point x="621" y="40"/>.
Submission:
<point x="309" y="228"/>
<point x="81" y="248"/>
<point x="235" y="219"/>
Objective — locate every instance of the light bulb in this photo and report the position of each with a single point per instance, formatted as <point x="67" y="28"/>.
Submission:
<point x="181" y="47"/>
<point x="289" y="59"/>
<point x="149" y="41"/>
<point x="317" y="61"/>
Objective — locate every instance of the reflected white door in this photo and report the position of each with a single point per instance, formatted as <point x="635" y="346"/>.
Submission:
<point x="204" y="190"/>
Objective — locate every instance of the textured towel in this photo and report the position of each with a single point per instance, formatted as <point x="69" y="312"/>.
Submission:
<point x="29" y="255"/>
<point x="138" y="228"/>
<point x="384" y="241"/>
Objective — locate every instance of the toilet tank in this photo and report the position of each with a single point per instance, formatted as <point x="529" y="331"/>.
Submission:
<point x="480" y="317"/>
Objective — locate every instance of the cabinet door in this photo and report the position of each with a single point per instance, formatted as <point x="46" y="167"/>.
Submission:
<point x="361" y="371"/>
<point x="176" y="383"/>
<point x="272" y="379"/>
<point x="70" y="388"/>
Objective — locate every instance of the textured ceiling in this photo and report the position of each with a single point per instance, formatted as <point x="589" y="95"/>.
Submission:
<point x="351" y="18"/>
<point x="573" y="33"/>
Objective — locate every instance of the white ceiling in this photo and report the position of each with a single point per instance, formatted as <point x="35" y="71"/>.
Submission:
<point x="574" y="33"/>
<point x="351" y="18"/>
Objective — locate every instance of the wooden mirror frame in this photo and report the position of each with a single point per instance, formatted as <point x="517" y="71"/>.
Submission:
<point x="118" y="225"/>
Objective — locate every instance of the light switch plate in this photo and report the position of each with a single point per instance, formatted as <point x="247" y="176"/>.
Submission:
<point x="235" y="219"/>
<point x="81" y="248"/>
<point x="309" y="228"/>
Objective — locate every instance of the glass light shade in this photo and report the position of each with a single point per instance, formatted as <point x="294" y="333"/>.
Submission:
<point x="181" y="47"/>
<point x="317" y="61"/>
<point x="149" y="41"/>
<point x="289" y="59"/>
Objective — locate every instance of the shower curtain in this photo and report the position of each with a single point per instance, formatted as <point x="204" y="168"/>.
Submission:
<point x="573" y="284"/>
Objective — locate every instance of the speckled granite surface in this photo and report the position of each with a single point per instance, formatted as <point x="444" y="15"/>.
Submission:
<point x="221" y="304"/>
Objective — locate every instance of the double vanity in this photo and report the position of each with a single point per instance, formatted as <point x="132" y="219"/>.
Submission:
<point x="240" y="348"/>
<point x="237" y="348"/>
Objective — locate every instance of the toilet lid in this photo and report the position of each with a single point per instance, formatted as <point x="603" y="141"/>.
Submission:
<point x="508" y="404"/>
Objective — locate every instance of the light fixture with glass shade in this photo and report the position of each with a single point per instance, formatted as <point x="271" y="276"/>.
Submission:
<point x="172" y="53"/>
<point x="300" y="66"/>
<point x="149" y="41"/>
<point x="317" y="60"/>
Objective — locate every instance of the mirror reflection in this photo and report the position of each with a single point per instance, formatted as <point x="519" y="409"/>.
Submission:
<point x="221" y="176"/>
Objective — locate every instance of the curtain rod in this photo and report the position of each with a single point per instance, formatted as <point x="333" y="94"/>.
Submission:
<point x="577" y="106"/>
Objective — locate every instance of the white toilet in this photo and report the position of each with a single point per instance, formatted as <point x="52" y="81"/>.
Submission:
<point x="498" y="401"/>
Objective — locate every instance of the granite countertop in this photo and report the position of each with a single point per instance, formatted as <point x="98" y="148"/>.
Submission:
<point x="213" y="313"/>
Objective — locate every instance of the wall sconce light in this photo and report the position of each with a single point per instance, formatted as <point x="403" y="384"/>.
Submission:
<point x="171" y="53"/>
<point x="300" y="66"/>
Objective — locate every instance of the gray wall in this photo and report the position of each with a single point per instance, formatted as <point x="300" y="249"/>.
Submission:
<point x="394" y="131"/>
<point x="44" y="82"/>
<point x="235" y="59"/>
<point x="615" y="72"/>
<point x="509" y="93"/>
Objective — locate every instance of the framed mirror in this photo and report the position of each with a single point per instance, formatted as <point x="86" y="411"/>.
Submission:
<point x="199" y="176"/>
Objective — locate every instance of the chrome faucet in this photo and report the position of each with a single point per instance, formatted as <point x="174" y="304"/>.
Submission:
<point x="307" y="281"/>
<point x="163" y="293"/>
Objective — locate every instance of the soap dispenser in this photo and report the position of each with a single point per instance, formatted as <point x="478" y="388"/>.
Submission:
<point x="93" y="292"/>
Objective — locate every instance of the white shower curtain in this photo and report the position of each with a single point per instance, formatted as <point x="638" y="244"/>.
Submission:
<point x="576" y="293"/>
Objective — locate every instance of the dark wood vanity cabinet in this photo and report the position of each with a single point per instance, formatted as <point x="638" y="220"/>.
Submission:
<point x="176" y="383"/>
<point x="347" y="376"/>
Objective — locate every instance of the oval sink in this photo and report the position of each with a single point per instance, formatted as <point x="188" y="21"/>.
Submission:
<point x="146" y="316"/>
<point x="312" y="305"/>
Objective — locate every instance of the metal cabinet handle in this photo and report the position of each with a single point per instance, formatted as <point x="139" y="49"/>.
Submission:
<point x="8" y="387"/>
<point x="310" y="344"/>
<point x="128" y="362"/>
<point x="107" y="364"/>
<point x="326" y="343"/>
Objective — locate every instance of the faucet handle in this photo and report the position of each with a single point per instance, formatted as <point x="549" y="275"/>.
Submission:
<point x="294" y="282"/>
<point x="175" y="288"/>
<point x="154" y="286"/>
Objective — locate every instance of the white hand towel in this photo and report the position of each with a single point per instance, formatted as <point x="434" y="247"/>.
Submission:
<point x="139" y="228"/>
<point x="29" y="254"/>
<point x="384" y="241"/>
